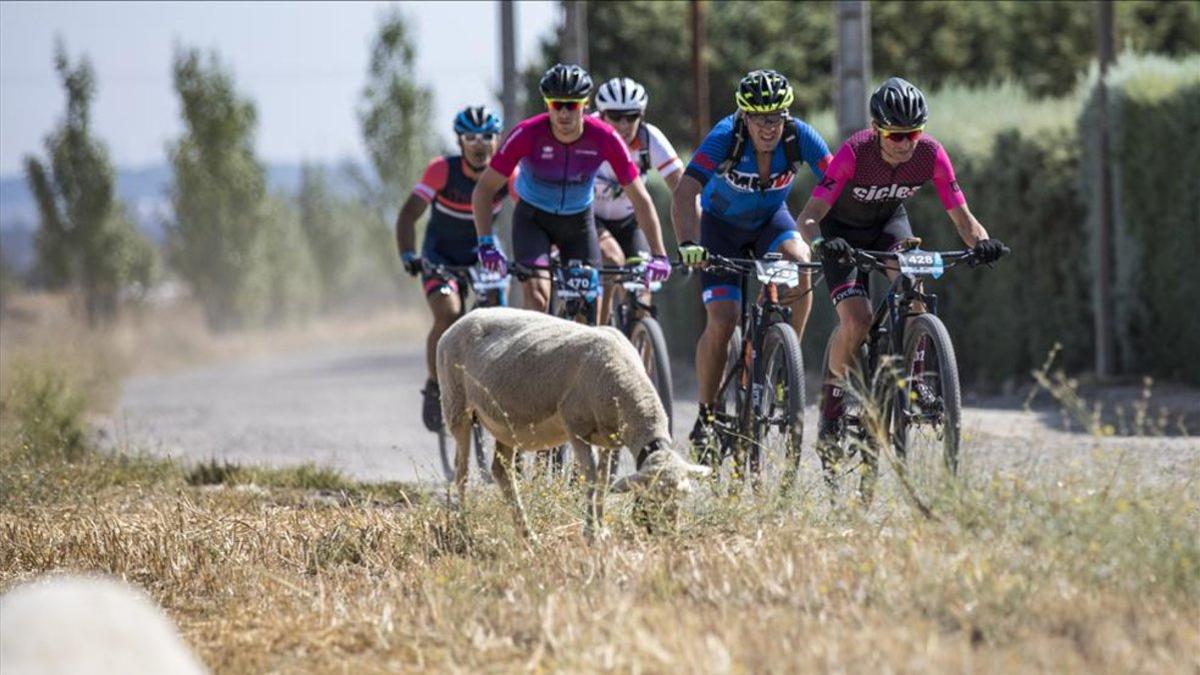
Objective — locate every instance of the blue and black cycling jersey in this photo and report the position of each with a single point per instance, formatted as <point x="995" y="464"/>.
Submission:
<point x="738" y="196"/>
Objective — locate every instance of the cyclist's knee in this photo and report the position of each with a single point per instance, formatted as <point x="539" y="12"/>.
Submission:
<point x="855" y="326"/>
<point x="537" y="296"/>
<point x="721" y="319"/>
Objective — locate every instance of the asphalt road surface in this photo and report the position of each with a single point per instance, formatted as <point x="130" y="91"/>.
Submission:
<point x="357" y="409"/>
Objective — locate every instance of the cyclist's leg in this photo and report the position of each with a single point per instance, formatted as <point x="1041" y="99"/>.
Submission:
<point x="780" y="234"/>
<point x="722" y="296"/>
<point x="610" y="254"/>
<point x="849" y="291"/>
<point x="531" y="245"/>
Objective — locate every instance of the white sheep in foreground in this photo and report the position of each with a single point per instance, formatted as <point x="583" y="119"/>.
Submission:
<point x="535" y="381"/>
<point x="81" y="625"/>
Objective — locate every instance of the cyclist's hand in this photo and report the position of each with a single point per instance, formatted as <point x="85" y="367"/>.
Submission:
<point x="833" y="250"/>
<point x="658" y="269"/>
<point x="492" y="258"/>
<point x="692" y="254"/>
<point x="989" y="250"/>
<point x="411" y="262"/>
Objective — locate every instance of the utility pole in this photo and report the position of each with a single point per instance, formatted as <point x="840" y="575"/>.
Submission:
<point x="1102" y="307"/>
<point x="574" y="33"/>
<point x="508" y="61"/>
<point x="700" y="122"/>
<point x="852" y="66"/>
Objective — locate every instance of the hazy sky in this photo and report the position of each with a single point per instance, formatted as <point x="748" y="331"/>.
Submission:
<point x="302" y="63"/>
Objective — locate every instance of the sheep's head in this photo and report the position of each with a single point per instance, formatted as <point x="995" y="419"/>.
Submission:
<point x="663" y="473"/>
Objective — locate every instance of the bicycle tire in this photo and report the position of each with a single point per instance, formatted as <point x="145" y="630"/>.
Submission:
<point x="444" y="452"/>
<point x="647" y="338"/>
<point x="727" y="406"/>
<point x="483" y="455"/>
<point x="915" y="412"/>
<point x="782" y="392"/>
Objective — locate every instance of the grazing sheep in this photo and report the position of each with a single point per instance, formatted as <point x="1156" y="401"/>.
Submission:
<point x="535" y="382"/>
<point x="80" y="625"/>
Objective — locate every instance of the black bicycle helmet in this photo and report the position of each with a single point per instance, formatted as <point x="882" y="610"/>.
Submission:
<point x="566" y="80"/>
<point x="898" y="104"/>
<point x="764" y="91"/>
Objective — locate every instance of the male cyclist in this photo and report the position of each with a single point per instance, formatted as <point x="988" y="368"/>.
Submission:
<point x="560" y="152"/>
<point x="622" y="103"/>
<point x="450" y="234"/>
<point x="743" y="188"/>
<point x="860" y="204"/>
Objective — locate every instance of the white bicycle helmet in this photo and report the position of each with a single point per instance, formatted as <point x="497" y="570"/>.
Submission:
<point x="621" y="93"/>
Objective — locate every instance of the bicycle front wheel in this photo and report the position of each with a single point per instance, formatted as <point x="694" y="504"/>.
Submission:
<point x="927" y="417"/>
<point x="647" y="338"/>
<point x="481" y="443"/>
<point x="446" y="453"/>
<point x="779" y="415"/>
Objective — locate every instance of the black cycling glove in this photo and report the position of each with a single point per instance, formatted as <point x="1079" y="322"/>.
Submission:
<point x="833" y="250"/>
<point x="989" y="250"/>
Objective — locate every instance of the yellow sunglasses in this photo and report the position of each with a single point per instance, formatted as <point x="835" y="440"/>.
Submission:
<point x="899" y="135"/>
<point x="565" y="103"/>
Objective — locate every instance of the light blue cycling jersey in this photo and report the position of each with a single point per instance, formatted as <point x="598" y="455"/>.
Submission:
<point x="739" y="196"/>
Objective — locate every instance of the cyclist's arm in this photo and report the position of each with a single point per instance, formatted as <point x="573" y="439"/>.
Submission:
<point x="685" y="209"/>
<point x="666" y="161"/>
<point x="969" y="228"/>
<point x="406" y="222"/>
<point x="809" y="219"/>
<point x="647" y="216"/>
<point x="482" y="198"/>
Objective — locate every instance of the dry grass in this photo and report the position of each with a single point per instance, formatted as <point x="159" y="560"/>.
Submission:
<point x="1038" y="568"/>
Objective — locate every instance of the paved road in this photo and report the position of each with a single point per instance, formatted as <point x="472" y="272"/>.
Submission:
<point x="357" y="409"/>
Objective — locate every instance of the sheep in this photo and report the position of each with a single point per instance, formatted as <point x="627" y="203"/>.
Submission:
<point x="535" y="381"/>
<point x="72" y="624"/>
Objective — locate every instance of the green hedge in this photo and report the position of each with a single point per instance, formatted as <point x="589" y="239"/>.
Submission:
<point x="1024" y="165"/>
<point x="1153" y="104"/>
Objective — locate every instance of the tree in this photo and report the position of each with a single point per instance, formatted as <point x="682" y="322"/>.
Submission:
<point x="1044" y="46"/>
<point x="394" y="113"/>
<point x="331" y="238"/>
<point x="233" y="245"/>
<point x="85" y="238"/>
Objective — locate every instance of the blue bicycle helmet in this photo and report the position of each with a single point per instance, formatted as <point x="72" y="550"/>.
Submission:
<point x="477" y="119"/>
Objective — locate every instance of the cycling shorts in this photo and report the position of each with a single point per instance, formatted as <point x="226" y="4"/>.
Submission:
<point x="628" y="235"/>
<point x="722" y="238"/>
<point x="534" y="230"/>
<point x="847" y="281"/>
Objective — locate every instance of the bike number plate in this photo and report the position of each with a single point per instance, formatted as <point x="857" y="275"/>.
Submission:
<point x="778" y="272"/>
<point x="483" y="281"/>
<point x="918" y="263"/>
<point x="582" y="282"/>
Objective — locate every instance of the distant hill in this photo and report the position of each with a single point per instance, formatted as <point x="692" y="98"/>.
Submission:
<point x="144" y="190"/>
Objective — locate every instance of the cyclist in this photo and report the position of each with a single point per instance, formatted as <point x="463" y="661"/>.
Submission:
<point x="560" y="152"/>
<point x="450" y="235"/>
<point x="622" y="103"/>
<point x="743" y="188"/>
<point x="860" y="204"/>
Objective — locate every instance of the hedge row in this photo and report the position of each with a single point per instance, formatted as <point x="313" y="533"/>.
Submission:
<point x="1025" y="168"/>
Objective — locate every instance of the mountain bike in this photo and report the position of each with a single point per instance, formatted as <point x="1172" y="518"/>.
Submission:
<point x="488" y="289"/>
<point x="639" y="322"/>
<point x="908" y="375"/>
<point x="759" y="411"/>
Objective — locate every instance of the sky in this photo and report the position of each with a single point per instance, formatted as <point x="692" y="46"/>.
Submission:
<point x="303" y="64"/>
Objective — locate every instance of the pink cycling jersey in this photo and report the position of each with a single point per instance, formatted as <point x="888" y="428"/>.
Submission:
<point x="876" y="188"/>
<point x="558" y="177"/>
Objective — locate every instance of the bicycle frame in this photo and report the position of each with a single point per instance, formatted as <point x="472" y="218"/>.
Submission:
<point x="748" y="372"/>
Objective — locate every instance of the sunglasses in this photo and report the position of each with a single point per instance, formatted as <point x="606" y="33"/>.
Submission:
<point x="769" y="120"/>
<point x="901" y="135"/>
<point x="565" y="103"/>
<point x="474" y="138"/>
<point x="623" y="116"/>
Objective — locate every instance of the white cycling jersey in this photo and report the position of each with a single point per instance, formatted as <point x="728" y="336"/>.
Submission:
<point x="611" y="201"/>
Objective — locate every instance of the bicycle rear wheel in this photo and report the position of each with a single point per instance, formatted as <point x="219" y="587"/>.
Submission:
<point x="723" y="442"/>
<point x="927" y="415"/>
<point x="647" y="338"/>
<point x="779" y="417"/>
